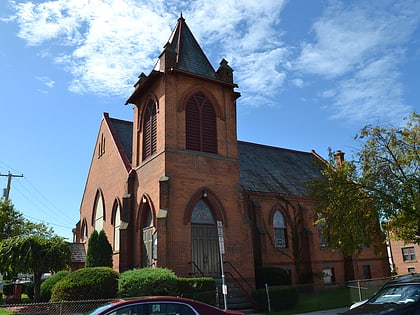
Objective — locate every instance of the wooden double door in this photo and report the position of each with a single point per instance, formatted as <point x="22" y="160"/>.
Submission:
<point x="205" y="250"/>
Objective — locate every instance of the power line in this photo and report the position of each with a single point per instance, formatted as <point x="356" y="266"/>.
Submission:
<point x="9" y="182"/>
<point x="39" y="201"/>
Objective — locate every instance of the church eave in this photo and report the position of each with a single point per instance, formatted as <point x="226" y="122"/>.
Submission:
<point x="143" y="86"/>
<point x="195" y="75"/>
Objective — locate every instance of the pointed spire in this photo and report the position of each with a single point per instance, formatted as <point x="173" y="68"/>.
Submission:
<point x="189" y="56"/>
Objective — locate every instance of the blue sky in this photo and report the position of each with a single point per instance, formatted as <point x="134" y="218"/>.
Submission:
<point x="311" y="74"/>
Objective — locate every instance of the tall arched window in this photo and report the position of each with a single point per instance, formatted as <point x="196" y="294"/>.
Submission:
<point x="99" y="213"/>
<point x="149" y="130"/>
<point x="117" y="224"/>
<point x="200" y="124"/>
<point x="279" y="225"/>
<point x="147" y="236"/>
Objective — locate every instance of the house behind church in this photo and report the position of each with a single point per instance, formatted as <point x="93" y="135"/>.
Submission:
<point x="162" y="184"/>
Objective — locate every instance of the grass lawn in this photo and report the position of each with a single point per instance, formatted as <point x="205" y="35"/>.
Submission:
<point x="25" y="299"/>
<point x="322" y="300"/>
<point x="4" y="312"/>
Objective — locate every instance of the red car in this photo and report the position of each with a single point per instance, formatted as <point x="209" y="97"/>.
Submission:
<point x="160" y="305"/>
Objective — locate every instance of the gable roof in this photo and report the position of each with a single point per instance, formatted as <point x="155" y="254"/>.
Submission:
<point x="122" y="133"/>
<point x="267" y="169"/>
<point x="190" y="56"/>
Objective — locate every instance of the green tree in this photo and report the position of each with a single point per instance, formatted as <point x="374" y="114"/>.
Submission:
<point x="105" y="250"/>
<point x="13" y="223"/>
<point x="381" y="184"/>
<point x="99" y="252"/>
<point x="34" y="254"/>
<point x="92" y="250"/>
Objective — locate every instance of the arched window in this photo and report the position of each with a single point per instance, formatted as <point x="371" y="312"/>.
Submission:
<point x="117" y="224"/>
<point x="200" y="124"/>
<point x="279" y="225"/>
<point x="99" y="213"/>
<point x="84" y="232"/>
<point x="202" y="214"/>
<point x="149" y="130"/>
<point x="148" y="230"/>
<point x="323" y="241"/>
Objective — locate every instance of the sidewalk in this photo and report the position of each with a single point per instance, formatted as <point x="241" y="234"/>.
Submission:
<point x="327" y="312"/>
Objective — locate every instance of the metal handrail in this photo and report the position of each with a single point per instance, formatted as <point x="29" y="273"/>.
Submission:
<point x="195" y="265"/>
<point x="239" y="274"/>
<point x="247" y="292"/>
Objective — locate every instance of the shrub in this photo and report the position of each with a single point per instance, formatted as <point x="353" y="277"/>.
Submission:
<point x="48" y="284"/>
<point x="272" y="276"/>
<point x="200" y="289"/>
<point x="86" y="284"/>
<point x="147" y="281"/>
<point x="280" y="298"/>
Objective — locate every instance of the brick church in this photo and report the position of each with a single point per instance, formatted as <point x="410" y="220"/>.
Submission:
<point x="163" y="185"/>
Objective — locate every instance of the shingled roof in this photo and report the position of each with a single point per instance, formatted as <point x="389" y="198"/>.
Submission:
<point x="124" y="130"/>
<point x="190" y="56"/>
<point x="267" y="169"/>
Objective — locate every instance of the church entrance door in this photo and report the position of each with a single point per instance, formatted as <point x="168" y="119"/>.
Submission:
<point x="205" y="241"/>
<point x="205" y="249"/>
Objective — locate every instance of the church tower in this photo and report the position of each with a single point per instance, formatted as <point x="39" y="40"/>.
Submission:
<point x="185" y="159"/>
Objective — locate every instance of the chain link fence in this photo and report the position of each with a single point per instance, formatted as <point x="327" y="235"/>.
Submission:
<point x="56" y="308"/>
<point x="357" y="290"/>
<point x="363" y="289"/>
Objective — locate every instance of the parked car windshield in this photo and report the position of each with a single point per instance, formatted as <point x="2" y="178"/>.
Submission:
<point x="399" y="294"/>
<point x="100" y="309"/>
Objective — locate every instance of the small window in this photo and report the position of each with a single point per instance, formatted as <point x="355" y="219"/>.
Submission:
<point x="84" y="232"/>
<point x="101" y="146"/>
<point x="280" y="235"/>
<point x="328" y="275"/>
<point x="408" y="254"/>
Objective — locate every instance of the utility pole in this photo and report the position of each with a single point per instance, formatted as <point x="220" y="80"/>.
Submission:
<point x="9" y="182"/>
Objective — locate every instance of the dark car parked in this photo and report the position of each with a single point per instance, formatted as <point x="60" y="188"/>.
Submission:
<point x="400" y="295"/>
<point x="160" y="305"/>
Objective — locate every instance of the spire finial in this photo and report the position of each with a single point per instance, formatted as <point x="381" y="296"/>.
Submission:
<point x="181" y="17"/>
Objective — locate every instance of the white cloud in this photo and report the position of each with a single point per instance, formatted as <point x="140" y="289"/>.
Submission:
<point x="105" y="44"/>
<point x="360" y="48"/>
<point x="368" y="95"/>
<point x="46" y="81"/>
<point x="298" y="82"/>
